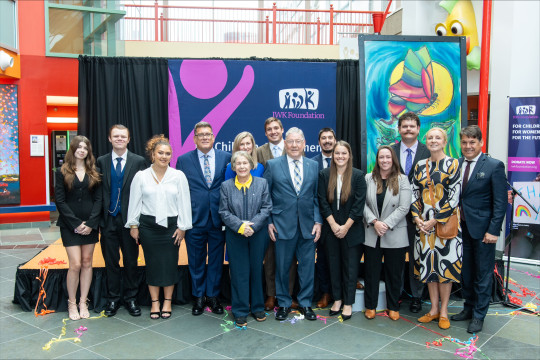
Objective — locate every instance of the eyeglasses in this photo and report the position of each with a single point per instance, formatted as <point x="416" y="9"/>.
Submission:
<point x="296" y="142"/>
<point x="205" y="135"/>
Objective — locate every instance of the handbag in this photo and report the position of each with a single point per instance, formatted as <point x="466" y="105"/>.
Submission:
<point x="448" y="230"/>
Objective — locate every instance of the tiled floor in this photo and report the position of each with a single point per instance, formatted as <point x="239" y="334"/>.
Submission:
<point x="209" y="336"/>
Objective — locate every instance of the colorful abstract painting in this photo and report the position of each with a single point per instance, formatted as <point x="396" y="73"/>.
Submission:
<point x="399" y="74"/>
<point x="9" y="143"/>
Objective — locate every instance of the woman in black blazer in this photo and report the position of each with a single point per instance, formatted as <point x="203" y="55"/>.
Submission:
<point x="342" y="194"/>
<point x="78" y="200"/>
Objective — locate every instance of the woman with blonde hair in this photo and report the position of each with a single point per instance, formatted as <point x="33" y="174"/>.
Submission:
<point x="245" y="142"/>
<point x="159" y="214"/>
<point x="438" y="254"/>
<point x="78" y="200"/>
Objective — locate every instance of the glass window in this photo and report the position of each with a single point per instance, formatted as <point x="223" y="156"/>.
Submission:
<point x="8" y="24"/>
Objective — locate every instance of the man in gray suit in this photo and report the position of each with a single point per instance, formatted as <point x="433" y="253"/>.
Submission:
<point x="295" y="224"/>
<point x="274" y="148"/>
<point x="409" y="151"/>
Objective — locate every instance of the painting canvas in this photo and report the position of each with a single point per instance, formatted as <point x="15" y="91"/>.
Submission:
<point x="398" y="74"/>
<point x="9" y="142"/>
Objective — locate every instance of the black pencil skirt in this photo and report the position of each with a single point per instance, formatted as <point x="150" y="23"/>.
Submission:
<point x="160" y="252"/>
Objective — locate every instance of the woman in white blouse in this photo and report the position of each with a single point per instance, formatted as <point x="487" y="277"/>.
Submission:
<point x="159" y="214"/>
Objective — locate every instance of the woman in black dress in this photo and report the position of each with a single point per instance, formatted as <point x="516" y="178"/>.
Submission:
<point x="78" y="200"/>
<point x="159" y="214"/>
<point x="342" y="195"/>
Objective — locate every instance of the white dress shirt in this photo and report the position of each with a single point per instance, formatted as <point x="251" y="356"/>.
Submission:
<point x="324" y="162"/>
<point x="471" y="166"/>
<point x="211" y="159"/>
<point x="403" y="153"/>
<point x="279" y="150"/>
<point x="115" y="156"/>
<point x="162" y="199"/>
<point x="290" y="161"/>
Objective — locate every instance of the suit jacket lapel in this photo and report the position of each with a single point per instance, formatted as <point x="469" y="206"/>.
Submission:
<point x="107" y="170"/>
<point x="197" y="164"/>
<point x="373" y="197"/>
<point x="387" y="198"/>
<point x="397" y="150"/>
<point x="127" y="168"/>
<point x="218" y="165"/>
<point x="479" y="165"/>
<point x="306" y="169"/>
<point x="286" y="172"/>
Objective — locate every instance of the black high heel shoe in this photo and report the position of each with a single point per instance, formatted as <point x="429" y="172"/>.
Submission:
<point x="334" y="313"/>
<point x="166" y="314"/>
<point x="156" y="314"/>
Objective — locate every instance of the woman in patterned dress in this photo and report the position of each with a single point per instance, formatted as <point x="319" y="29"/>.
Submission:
<point x="437" y="261"/>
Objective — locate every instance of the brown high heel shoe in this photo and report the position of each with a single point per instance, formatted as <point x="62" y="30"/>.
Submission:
<point x="83" y="309"/>
<point x="72" y="310"/>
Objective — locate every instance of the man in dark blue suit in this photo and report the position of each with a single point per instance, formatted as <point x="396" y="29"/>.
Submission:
<point x="204" y="168"/>
<point x="483" y="205"/>
<point x="295" y="224"/>
<point x="327" y="141"/>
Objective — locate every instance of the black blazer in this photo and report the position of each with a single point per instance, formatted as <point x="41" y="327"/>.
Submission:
<point x="353" y="207"/>
<point x="134" y="163"/>
<point x="78" y="204"/>
<point x="422" y="153"/>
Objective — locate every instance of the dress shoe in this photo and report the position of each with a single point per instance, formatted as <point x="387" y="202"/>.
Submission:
<point x="324" y="300"/>
<point x="346" y="317"/>
<point x="370" y="314"/>
<point x="475" y="326"/>
<point x="214" y="305"/>
<point x="416" y="305"/>
<point x="282" y="313"/>
<point x="359" y="285"/>
<point x="308" y="313"/>
<point x="463" y="315"/>
<point x="444" y="323"/>
<point x="133" y="308"/>
<point x="294" y="305"/>
<point x="334" y="313"/>
<point x="198" y="306"/>
<point x="112" y="308"/>
<point x="241" y="321"/>
<point x="259" y="316"/>
<point x="428" y="318"/>
<point x="270" y="303"/>
<point x="394" y="315"/>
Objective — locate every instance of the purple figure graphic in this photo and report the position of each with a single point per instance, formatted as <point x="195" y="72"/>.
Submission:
<point x="205" y="79"/>
<point x="309" y="94"/>
<point x="287" y="104"/>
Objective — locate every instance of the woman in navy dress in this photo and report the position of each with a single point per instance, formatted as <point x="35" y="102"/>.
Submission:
<point x="78" y="200"/>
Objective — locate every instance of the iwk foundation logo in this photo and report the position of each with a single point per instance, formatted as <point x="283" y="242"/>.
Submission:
<point x="301" y="98"/>
<point x="526" y="110"/>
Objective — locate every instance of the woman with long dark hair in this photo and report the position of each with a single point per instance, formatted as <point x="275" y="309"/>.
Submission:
<point x="388" y="201"/>
<point x="342" y="194"/>
<point x="78" y="200"/>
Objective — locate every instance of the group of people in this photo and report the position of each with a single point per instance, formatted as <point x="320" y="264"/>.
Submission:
<point x="285" y="216"/>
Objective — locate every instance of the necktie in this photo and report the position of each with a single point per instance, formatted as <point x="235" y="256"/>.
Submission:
<point x="465" y="181"/>
<point x="275" y="151"/>
<point x="297" y="177"/>
<point x="207" y="172"/>
<point x="118" y="167"/>
<point x="327" y="162"/>
<point x="408" y="162"/>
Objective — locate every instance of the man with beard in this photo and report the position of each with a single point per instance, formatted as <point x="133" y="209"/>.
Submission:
<point x="409" y="151"/>
<point x="327" y="141"/>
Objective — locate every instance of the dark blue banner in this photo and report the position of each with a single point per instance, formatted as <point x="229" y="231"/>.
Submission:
<point x="236" y="95"/>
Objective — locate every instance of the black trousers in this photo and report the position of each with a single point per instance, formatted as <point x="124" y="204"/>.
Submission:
<point x="343" y="263"/>
<point x="115" y="238"/>
<point x="394" y="262"/>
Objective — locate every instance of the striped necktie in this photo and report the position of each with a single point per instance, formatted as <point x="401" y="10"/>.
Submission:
<point x="297" y="177"/>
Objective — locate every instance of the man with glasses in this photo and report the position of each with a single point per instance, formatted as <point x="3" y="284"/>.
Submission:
<point x="295" y="224"/>
<point x="204" y="168"/>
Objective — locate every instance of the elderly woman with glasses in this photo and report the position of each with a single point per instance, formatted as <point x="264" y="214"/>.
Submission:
<point x="245" y="206"/>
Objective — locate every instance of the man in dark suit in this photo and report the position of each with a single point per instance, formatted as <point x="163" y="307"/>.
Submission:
<point x="204" y="168"/>
<point x="327" y="141"/>
<point x="118" y="168"/>
<point x="483" y="204"/>
<point x="295" y="224"/>
<point x="409" y="151"/>
<point x="274" y="148"/>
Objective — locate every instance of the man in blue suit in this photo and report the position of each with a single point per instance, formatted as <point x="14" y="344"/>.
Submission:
<point x="327" y="141"/>
<point x="483" y="206"/>
<point x="295" y="224"/>
<point x="204" y="168"/>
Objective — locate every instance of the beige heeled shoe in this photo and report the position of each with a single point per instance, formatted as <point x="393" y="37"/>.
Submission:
<point x="72" y="310"/>
<point x="83" y="309"/>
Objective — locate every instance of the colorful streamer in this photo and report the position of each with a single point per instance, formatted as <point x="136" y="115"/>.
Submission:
<point x="43" y="271"/>
<point x="79" y="332"/>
